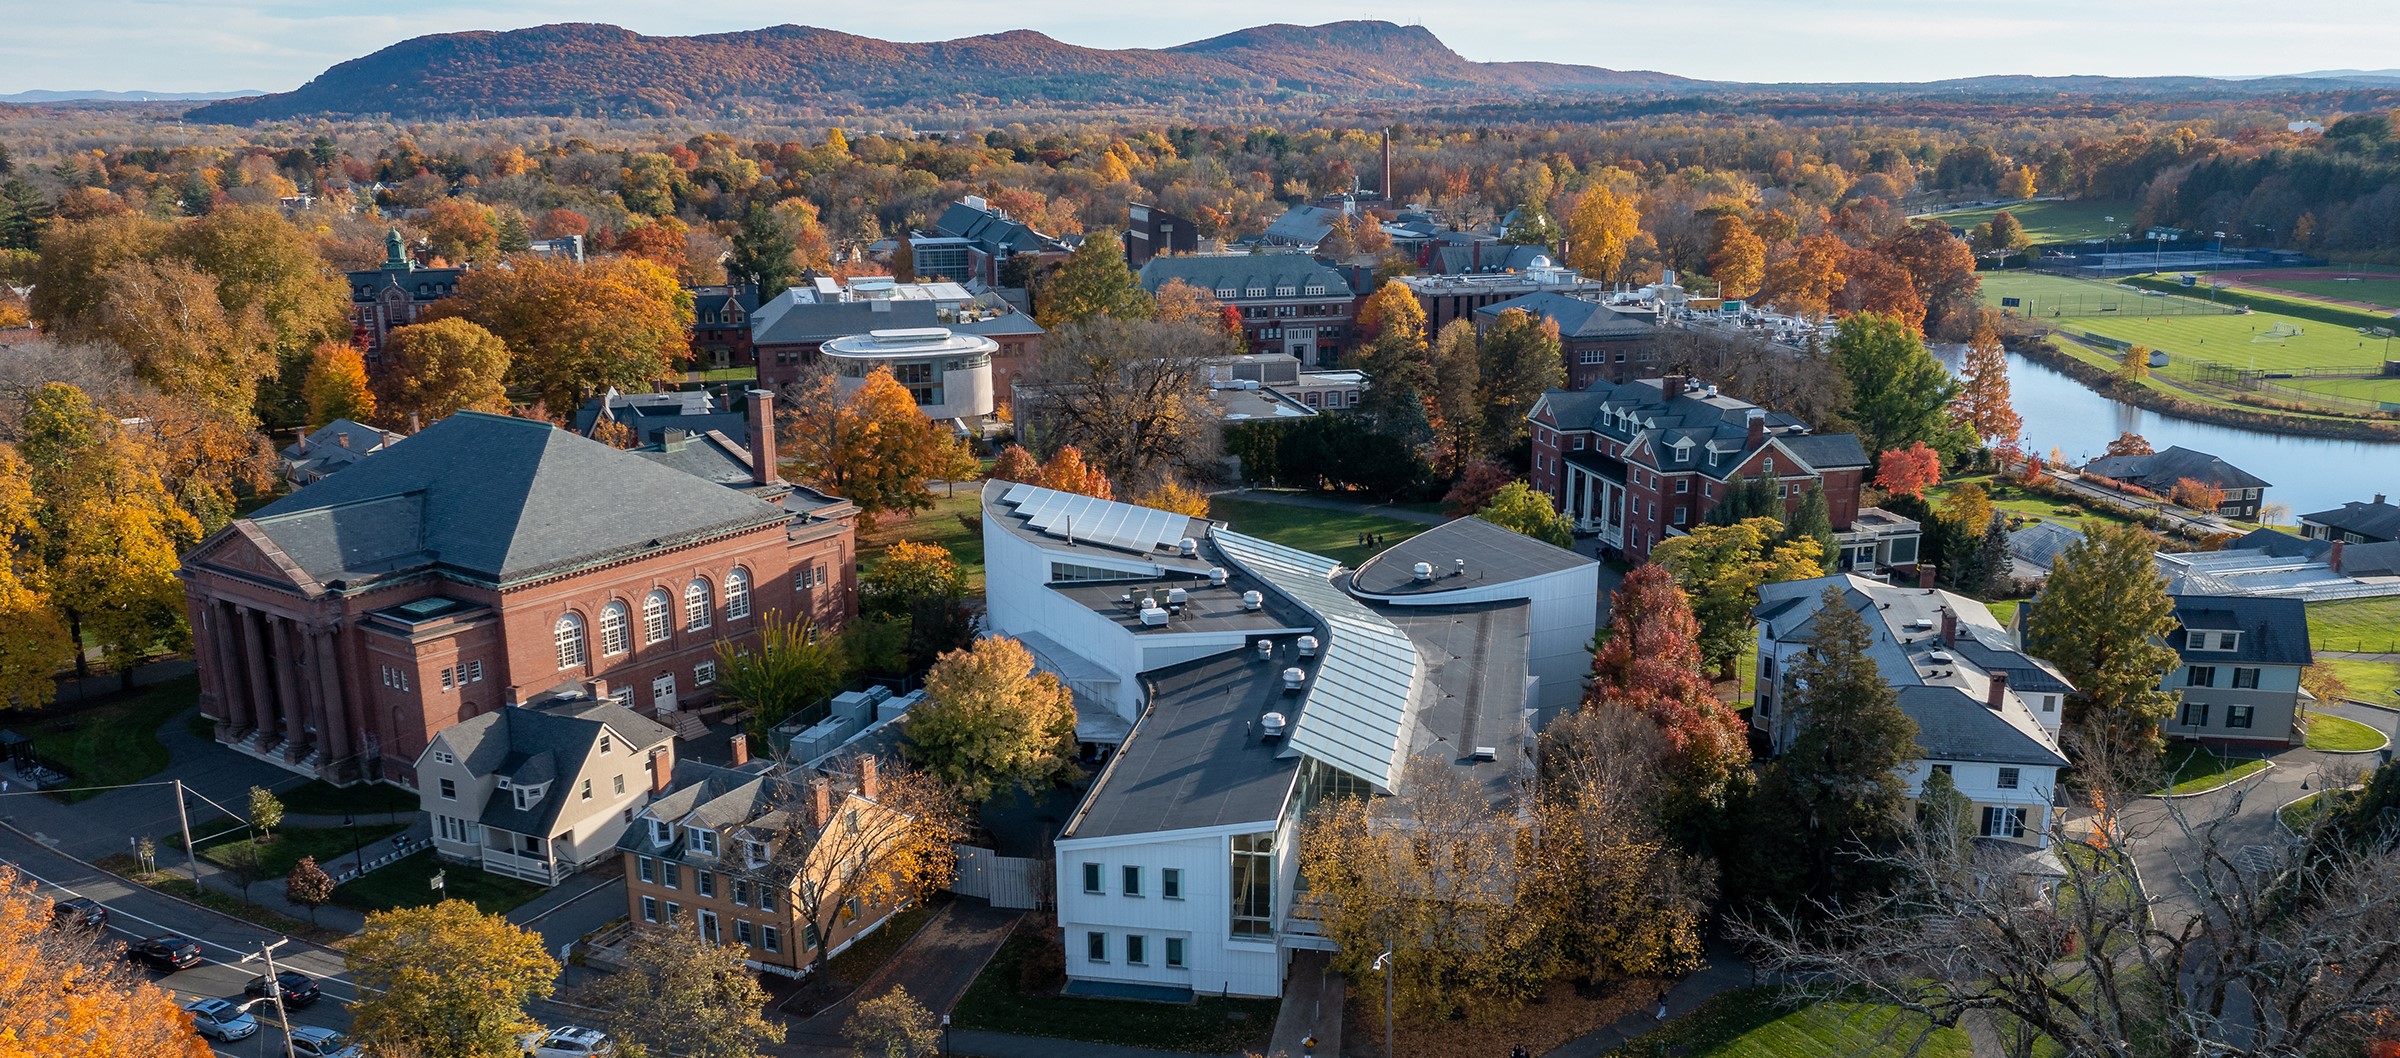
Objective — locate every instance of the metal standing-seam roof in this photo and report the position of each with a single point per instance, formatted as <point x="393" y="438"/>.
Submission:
<point x="1357" y="711"/>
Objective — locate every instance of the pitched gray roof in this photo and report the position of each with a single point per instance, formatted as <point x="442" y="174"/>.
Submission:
<point x="493" y="499"/>
<point x="1577" y="317"/>
<point x="1241" y="273"/>
<point x="2274" y="631"/>
<point x="1952" y="725"/>
<point x="1827" y="451"/>
<point x="652" y="414"/>
<point x="545" y="744"/>
<point x="2159" y="471"/>
<point x="1304" y="225"/>
<point x="2377" y="521"/>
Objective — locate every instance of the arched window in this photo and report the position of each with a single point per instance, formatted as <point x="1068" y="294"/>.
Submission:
<point x="569" y="633"/>
<point x="695" y="604"/>
<point x="654" y="617"/>
<point x="613" y="637"/>
<point x="737" y="594"/>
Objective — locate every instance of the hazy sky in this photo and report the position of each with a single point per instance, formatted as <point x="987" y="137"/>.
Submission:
<point x="220" y="45"/>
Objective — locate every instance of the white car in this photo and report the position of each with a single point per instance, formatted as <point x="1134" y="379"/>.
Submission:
<point x="309" y="1041"/>
<point x="569" y="1041"/>
<point x="222" y="1019"/>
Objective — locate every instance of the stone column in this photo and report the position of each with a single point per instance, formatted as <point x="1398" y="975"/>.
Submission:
<point x="224" y="660"/>
<point x="288" y="690"/>
<point x="333" y="714"/>
<point x="260" y="690"/>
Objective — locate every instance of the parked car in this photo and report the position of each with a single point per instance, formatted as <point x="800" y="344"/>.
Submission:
<point x="221" y="1019"/>
<point x="165" y="954"/>
<point x="568" y="1041"/>
<point x="309" y="1041"/>
<point x="79" y="913"/>
<point x="299" y="990"/>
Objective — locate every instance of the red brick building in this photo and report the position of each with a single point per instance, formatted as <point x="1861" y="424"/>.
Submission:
<point x="488" y="560"/>
<point x="1639" y="461"/>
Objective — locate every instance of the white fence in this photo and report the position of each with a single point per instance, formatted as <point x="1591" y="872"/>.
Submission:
<point x="1007" y="881"/>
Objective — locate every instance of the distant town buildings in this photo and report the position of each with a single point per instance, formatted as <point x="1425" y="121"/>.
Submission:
<point x="1460" y="295"/>
<point x="975" y="239"/>
<point x="1290" y="303"/>
<point x="395" y="294"/>
<point x="721" y="325"/>
<point x="1597" y="341"/>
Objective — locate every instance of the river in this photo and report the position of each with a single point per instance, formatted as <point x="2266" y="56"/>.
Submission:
<point x="2305" y="474"/>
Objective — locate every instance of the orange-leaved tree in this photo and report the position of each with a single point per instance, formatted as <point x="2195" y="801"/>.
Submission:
<point x="872" y="444"/>
<point x="336" y="385"/>
<point x="62" y="997"/>
<point x="1909" y="471"/>
<point x="1982" y="404"/>
<point x="578" y="329"/>
<point x="1650" y="661"/>
<point x="2196" y="494"/>
<point x="1068" y="471"/>
<point x="433" y="369"/>
<point x="1175" y="496"/>
<point x="1016" y="464"/>
<point x="2130" y="444"/>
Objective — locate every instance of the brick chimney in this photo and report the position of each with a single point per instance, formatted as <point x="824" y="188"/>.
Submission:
<point x="1998" y="695"/>
<point x="762" y="438"/>
<point x="870" y="777"/>
<point x="739" y="746"/>
<point x="2333" y="557"/>
<point x="662" y="770"/>
<point x="1755" y="429"/>
<point x="1924" y="574"/>
<point x="414" y="423"/>
<point x="820" y="804"/>
<point x="1949" y="628"/>
<point x="1670" y="387"/>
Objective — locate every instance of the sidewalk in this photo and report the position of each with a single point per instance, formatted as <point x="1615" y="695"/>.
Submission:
<point x="1723" y="971"/>
<point x="936" y="966"/>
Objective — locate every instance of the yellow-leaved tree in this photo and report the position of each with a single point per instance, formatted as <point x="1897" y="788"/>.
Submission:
<point x="33" y="641"/>
<point x="336" y="385"/>
<point x="991" y="721"/>
<point x="441" y="367"/>
<point x="1600" y="232"/>
<point x="578" y="329"/>
<point x="446" y="979"/>
<point x="872" y="444"/>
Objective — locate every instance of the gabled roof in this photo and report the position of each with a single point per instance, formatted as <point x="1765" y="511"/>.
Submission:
<point x="2273" y="631"/>
<point x="1304" y="225"/>
<point x="964" y="220"/>
<point x="2377" y="520"/>
<point x="499" y="500"/>
<point x="335" y="445"/>
<point x="2159" y="471"/>
<point x="651" y="414"/>
<point x="1242" y="273"/>
<point x="544" y="744"/>
<point x="1952" y="725"/>
<point x="1577" y="317"/>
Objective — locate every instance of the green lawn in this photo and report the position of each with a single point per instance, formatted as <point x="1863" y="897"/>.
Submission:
<point x="1767" y="1023"/>
<point x="286" y="845"/>
<point x="2369" y="626"/>
<point x="2004" y="611"/>
<point x="2334" y="734"/>
<point x="2369" y="681"/>
<point x="2373" y="288"/>
<point x="2194" y="768"/>
<point x="1208" y="1025"/>
<point x="1333" y="534"/>
<point x="2299" y="815"/>
<point x="170" y="879"/>
<point x="318" y="797"/>
<point x="2048" y="223"/>
<point x="408" y="883"/>
<point x="937" y="525"/>
<point x="111" y="743"/>
<point x="2010" y="500"/>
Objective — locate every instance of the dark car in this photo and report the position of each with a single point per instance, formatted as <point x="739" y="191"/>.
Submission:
<point x="298" y="989"/>
<point x="79" y="913"/>
<point x="165" y="954"/>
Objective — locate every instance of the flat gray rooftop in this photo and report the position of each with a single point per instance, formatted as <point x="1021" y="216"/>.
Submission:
<point x="1197" y="758"/>
<point x="1207" y="607"/>
<point x="1475" y="659"/>
<point x="1493" y="555"/>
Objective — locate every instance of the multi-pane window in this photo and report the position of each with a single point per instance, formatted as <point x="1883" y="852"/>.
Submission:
<point x="613" y="638"/>
<point x="2195" y="714"/>
<point x="2238" y="715"/>
<point x="1253" y="885"/>
<point x="2009" y="778"/>
<point x="704" y="673"/>
<point x="449" y="790"/>
<point x="695" y="605"/>
<point x="2200" y="676"/>
<point x="704" y="882"/>
<point x="2245" y="679"/>
<point x="737" y="594"/>
<point x="741" y="932"/>
<point x="1175" y="953"/>
<point x="646" y="868"/>
<point x="2003" y="822"/>
<point x="649" y="909"/>
<point x="1170" y="882"/>
<point x="569" y="634"/>
<point x="654" y="617"/>
<point x="770" y="938"/>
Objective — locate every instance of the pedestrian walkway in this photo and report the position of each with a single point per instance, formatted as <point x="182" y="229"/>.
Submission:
<point x="936" y="966"/>
<point x="1722" y="971"/>
<point x="1312" y="1009"/>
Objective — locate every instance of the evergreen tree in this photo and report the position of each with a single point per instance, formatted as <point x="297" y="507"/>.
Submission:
<point x="514" y="237"/>
<point x="1756" y="496"/>
<point x="1899" y="394"/>
<point x="1094" y="282"/>
<point x="1836" y="791"/>
<point x="762" y="253"/>
<point x="1814" y="520"/>
<point x="1999" y="567"/>
<point x="2103" y="619"/>
<point x="22" y="211"/>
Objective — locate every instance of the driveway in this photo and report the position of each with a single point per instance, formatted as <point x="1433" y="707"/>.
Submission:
<point x="936" y="966"/>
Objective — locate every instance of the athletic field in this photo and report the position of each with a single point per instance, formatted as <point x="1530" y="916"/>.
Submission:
<point x="2373" y="290"/>
<point x="2050" y="223"/>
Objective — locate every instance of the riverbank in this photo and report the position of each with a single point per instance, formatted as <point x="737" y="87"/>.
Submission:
<point x="2047" y="351"/>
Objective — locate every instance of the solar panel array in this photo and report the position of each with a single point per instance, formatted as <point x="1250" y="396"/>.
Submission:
<point x="1141" y="530"/>
<point x="1356" y="713"/>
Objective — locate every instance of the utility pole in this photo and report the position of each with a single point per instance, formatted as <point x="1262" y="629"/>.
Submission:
<point x="275" y="991"/>
<point x="191" y="856"/>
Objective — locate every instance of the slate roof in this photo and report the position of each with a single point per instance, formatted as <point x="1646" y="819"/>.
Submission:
<point x="1952" y="725"/>
<point x="1241" y="273"/>
<point x="1304" y="225"/>
<point x="650" y="415"/>
<point x="543" y="744"/>
<point x="710" y="456"/>
<point x="326" y="450"/>
<point x="992" y="230"/>
<point x="1483" y="256"/>
<point x="1577" y="317"/>
<point x="2376" y="521"/>
<point x="496" y="500"/>
<point x="2274" y="631"/>
<point x="1695" y="417"/>
<point x="2159" y="471"/>
<point x="1494" y="555"/>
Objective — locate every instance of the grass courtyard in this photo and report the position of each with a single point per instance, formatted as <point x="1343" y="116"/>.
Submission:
<point x="2367" y="626"/>
<point x="2054" y="223"/>
<point x="2195" y="768"/>
<point x="2334" y="734"/>
<point x="112" y="742"/>
<point x="409" y="883"/>
<point x="1333" y="534"/>
<point x="938" y="525"/>
<point x="2368" y="681"/>
<point x="1769" y="1023"/>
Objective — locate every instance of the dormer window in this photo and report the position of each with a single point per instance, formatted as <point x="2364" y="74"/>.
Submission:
<point x="2216" y="640"/>
<point x="1767" y="465"/>
<point x="704" y="841"/>
<point x="528" y="796"/>
<point x="662" y="833"/>
<point x="754" y="852"/>
<point x="504" y="784"/>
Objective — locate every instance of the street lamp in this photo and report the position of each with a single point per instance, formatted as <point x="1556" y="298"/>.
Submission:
<point x="1383" y="962"/>
<point x="358" y="852"/>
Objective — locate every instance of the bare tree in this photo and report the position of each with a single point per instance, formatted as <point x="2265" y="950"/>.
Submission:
<point x="868" y="835"/>
<point x="2244" y="949"/>
<point x="1131" y="394"/>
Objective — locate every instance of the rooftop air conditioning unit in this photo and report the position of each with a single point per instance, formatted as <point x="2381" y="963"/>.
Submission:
<point x="1176" y="597"/>
<point x="1422" y="570"/>
<point x="1252" y="601"/>
<point x="1941" y="657"/>
<point x="1292" y="679"/>
<point x="1149" y="602"/>
<point x="1308" y="646"/>
<point x="1487" y="753"/>
<point x="1153" y="617"/>
<point x="1216" y="576"/>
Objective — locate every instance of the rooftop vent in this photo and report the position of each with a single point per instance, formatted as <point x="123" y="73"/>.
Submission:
<point x="1293" y="677"/>
<point x="1190" y="547"/>
<point x="1458" y="567"/>
<point x="1487" y="753"/>
<point x="1149" y="602"/>
<point x="1216" y="576"/>
<point x="1308" y="646"/>
<point x="1922" y="624"/>
<point x="1176" y="597"/>
<point x="1271" y="726"/>
<point x="1266" y="649"/>
<point x="1423" y="570"/>
<point x="1153" y="617"/>
<point x="1252" y="601"/>
<point x="1941" y="657"/>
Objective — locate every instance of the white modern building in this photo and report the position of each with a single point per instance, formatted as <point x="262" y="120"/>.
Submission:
<point x="1233" y="683"/>
<point x="949" y="373"/>
<point x="1986" y="713"/>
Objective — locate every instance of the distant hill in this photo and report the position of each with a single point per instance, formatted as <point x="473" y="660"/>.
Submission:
<point x="44" y="95"/>
<point x="599" y="70"/>
<point x="596" y="70"/>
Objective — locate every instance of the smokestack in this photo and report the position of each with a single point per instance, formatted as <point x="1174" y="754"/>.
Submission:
<point x="414" y="424"/>
<point x="870" y="777"/>
<point x="662" y="771"/>
<point x="820" y="804"/>
<point x="2333" y="557"/>
<point x="1999" y="691"/>
<point x="1949" y="629"/>
<point x="762" y="438"/>
<point x="1387" y="163"/>
<point x="1924" y="574"/>
<point x="1756" y="429"/>
<point x="740" y="746"/>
